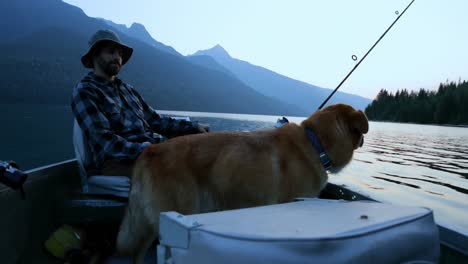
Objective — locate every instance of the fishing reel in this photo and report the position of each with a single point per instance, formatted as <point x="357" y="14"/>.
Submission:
<point x="12" y="176"/>
<point x="281" y="121"/>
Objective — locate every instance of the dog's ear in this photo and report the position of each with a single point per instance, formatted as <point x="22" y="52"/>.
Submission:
<point x="359" y="122"/>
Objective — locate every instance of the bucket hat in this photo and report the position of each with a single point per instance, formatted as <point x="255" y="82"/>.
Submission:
<point x="102" y="36"/>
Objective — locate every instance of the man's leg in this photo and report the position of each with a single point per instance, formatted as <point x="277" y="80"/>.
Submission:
<point x="118" y="168"/>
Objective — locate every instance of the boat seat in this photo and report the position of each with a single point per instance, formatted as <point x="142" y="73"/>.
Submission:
<point x="307" y="231"/>
<point x="102" y="199"/>
<point x="118" y="186"/>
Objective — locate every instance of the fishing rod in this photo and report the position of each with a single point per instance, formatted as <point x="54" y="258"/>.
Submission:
<point x="354" y="56"/>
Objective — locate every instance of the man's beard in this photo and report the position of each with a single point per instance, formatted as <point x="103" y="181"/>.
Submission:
<point x="110" y="68"/>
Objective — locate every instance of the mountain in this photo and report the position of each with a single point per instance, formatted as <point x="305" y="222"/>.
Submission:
<point x="210" y="63"/>
<point x="45" y="39"/>
<point x="21" y="18"/>
<point x="139" y="31"/>
<point x="306" y="96"/>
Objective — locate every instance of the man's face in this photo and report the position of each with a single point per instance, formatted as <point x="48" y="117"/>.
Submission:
<point x="109" y="59"/>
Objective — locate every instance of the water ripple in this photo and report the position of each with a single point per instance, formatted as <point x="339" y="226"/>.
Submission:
<point x="458" y="189"/>
<point x="429" y="160"/>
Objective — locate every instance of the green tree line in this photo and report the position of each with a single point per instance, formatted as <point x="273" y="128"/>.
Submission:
<point x="447" y="105"/>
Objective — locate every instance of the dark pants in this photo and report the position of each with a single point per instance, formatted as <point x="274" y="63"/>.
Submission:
<point x="118" y="168"/>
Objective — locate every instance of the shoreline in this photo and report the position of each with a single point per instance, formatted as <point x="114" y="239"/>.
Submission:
<point x="412" y="123"/>
<point x="236" y="115"/>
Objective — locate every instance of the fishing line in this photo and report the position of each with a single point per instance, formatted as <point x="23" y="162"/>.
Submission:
<point x="354" y="57"/>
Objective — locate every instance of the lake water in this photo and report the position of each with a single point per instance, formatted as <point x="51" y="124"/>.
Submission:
<point x="403" y="164"/>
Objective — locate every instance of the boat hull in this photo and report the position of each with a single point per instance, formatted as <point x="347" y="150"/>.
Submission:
<point x="52" y="192"/>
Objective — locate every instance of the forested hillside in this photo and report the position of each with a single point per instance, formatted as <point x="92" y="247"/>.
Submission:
<point x="447" y="105"/>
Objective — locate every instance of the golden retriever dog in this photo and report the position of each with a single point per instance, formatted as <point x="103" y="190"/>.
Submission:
<point x="230" y="170"/>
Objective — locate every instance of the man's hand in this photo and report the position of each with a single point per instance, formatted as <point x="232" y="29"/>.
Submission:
<point x="203" y="128"/>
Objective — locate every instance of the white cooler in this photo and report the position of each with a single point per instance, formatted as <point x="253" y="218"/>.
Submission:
<point x="307" y="231"/>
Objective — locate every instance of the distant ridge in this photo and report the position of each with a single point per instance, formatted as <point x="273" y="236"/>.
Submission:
<point x="306" y="96"/>
<point x="139" y="31"/>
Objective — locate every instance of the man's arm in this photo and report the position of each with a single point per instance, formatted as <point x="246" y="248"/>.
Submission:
<point x="167" y="126"/>
<point x="104" y="142"/>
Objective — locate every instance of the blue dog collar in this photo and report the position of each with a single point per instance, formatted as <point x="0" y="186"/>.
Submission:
<point x="326" y="163"/>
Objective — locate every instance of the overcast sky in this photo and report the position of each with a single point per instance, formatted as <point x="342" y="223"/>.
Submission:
<point x="313" y="41"/>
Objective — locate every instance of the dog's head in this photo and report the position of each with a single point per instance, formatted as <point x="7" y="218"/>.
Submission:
<point x="340" y="129"/>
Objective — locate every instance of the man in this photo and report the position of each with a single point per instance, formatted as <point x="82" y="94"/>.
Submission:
<point x="117" y="123"/>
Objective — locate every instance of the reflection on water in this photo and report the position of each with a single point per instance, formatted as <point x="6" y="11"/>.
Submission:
<point x="414" y="165"/>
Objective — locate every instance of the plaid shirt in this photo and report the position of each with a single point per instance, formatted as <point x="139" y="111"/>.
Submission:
<point x="117" y="123"/>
